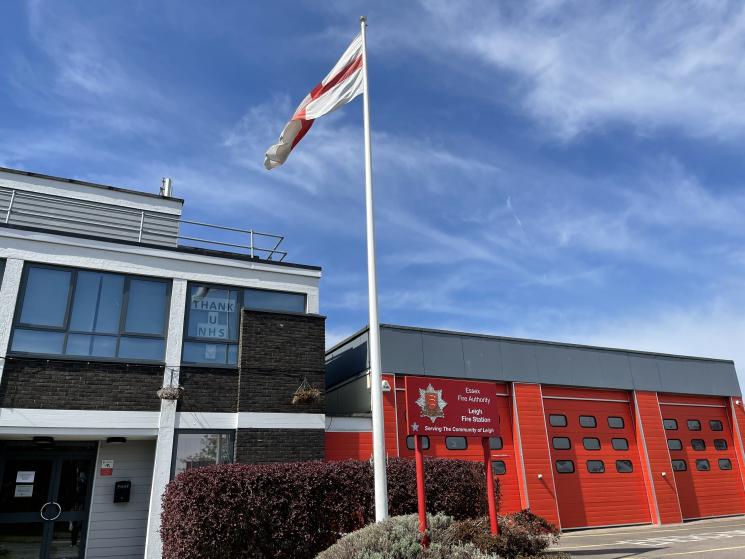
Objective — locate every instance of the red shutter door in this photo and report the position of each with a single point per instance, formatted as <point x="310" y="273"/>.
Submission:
<point x="704" y="461"/>
<point x="596" y="484"/>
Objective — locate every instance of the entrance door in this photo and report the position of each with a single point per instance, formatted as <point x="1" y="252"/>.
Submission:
<point x="44" y="500"/>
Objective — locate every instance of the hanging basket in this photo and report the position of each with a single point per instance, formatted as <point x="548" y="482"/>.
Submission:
<point x="170" y="393"/>
<point x="306" y="393"/>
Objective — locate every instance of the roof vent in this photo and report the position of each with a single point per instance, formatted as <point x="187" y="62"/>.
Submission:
<point x="166" y="188"/>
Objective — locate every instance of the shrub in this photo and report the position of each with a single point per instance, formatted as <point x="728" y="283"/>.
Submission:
<point x="521" y="534"/>
<point x="283" y="511"/>
<point x="398" y="538"/>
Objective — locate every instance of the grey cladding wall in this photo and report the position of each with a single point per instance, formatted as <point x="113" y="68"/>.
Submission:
<point x="426" y="352"/>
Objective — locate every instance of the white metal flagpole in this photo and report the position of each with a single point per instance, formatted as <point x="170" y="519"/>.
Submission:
<point x="376" y="377"/>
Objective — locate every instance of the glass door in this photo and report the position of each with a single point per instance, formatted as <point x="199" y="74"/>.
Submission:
<point x="44" y="504"/>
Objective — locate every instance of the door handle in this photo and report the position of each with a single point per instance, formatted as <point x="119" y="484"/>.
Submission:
<point x="50" y="517"/>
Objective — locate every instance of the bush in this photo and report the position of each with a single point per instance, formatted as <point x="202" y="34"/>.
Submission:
<point x="283" y="511"/>
<point x="521" y="534"/>
<point x="398" y="537"/>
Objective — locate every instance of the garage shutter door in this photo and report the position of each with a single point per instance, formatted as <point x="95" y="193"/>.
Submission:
<point x="703" y="458"/>
<point x="597" y="466"/>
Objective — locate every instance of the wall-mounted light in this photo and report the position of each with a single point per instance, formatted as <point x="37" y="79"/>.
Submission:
<point x="116" y="440"/>
<point x="43" y="441"/>
<point x="540" y="476"/>
<point x="664" y="474"/>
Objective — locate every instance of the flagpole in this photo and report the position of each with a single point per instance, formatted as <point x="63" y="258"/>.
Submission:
<point x="376" y="377"/>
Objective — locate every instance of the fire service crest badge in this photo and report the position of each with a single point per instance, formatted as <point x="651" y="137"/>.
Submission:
<point x="431" y="403"/>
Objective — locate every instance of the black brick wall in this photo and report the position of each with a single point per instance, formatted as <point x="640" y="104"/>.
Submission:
<point x="259" y="446"/>
<point x="79" y="385"/>
<point x="209" y="390"/>
<point x="276" y="352"/>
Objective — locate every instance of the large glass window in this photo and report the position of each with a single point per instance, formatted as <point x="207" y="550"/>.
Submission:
<point x="197" y="449"/>
<point x="213" y="317"/>
<point x="91" y="314"/>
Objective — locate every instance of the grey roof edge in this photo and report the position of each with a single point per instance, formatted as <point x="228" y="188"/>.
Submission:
<point x="87" y="183"/>
<point x="364" y="329"/>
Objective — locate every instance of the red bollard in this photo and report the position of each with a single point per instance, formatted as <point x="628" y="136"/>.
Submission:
<point x="490" y="487"/>
<point x="420" y="491"/>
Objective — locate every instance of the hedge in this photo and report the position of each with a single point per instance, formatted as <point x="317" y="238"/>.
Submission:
<point x="295" y="510"/>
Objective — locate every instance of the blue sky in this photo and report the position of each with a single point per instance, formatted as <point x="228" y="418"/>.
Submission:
<point x="561" y="170"/>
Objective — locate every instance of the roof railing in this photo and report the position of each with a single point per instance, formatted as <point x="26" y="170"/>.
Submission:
<point x="100" y="219"/>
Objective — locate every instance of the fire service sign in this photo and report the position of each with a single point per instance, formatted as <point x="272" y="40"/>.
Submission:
<point x="442" y="407"/>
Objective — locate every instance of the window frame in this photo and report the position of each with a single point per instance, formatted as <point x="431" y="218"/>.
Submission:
<point x="589" y="471"/>
<point x="624" y="439"/>
<point x="679" y="441"/>
<point x="679" y="461"/>
<point x="700" y="442"/>
<point x="177" y="432"/>
<point x="623" y="422"/>
<point x="718" y="422"/>
<point x="666" y="428"/>
<point x="558" y="471"/>
<point x="425" y="442"/>
<point x="465" y="439"/>
<point x="701" y="460"/>
<point x="553" y="443"/>
<point x="66" y="331"/>
<point x="501" y="443"/>
<point x="726" y="460"/>
<point x="594" y="420"/>
<point x="566" y="422"/>
<point x="688" y="424"/>
<point x="241" y="302"/>
<point x="504" y="467"/>
<point x="629" y="471"/>
<point x="584" y="444"/>
<point x="717" y="446"/>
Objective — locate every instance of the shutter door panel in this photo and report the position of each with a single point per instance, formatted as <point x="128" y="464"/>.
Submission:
<point x="597" y="499"/>
<point x="715" y="492"/>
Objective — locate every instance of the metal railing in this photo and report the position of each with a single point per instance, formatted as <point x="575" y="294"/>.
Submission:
<point x="116" y="222"/>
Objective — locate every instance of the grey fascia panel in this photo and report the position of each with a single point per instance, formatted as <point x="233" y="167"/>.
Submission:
<point x="443" y="355"/>
<point x="519" y="362"/>
<point x="690" y="377"/>
<point x="614" y="368"/>
<point x="482" y="358"/>
<point x="645" y="373"/>
<point x="401" y="351"/>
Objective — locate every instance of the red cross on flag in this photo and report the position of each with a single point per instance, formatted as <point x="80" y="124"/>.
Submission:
<point x="342" y="84"/>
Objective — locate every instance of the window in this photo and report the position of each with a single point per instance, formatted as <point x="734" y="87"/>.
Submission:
<point x="725" y="464"/>
<point x="91" y="314"/>
<point x="557" y="420"/>
<point x="588" y="421"/>
<point x="620" y="444"/>
<point x="679" y="465"/>
<point x="456" y="443"/>
<point x="565" y="466"/>
<point x="624" y="466"/>
<point x="596" y="466"/>
<point x="498" y="467"/>
<point x="698" y="444"/>
<point x="561" y="443"/>
<point x="694" y="425"/>
<point x="281" y="301"/>
<point x="591" y="443"/>
<point x="674" y="444"/>
<point x="213" y="315"/>
<point x="670" y="424"/>
<point x="720" y="444"/>
<point x="716" y="425"/>
<point x="495" y="443"/>
<point x="410" y="442"/>
<point x="702" y="465"/>
<point x="194" y="449"/>
<point x="615" y="422"/>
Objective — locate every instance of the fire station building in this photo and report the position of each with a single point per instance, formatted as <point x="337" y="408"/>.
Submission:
<point x="589" y="436"/>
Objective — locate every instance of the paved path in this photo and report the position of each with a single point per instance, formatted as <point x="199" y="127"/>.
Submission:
<point x="721" y="538"/>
